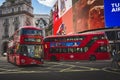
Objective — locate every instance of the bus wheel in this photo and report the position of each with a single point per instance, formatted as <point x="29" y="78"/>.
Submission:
<point x="92" y="58"/>
<point x="53" y="58"/>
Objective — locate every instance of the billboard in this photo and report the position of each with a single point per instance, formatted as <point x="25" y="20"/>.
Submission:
<point x="88" y="15"/>
<point x="62" y="17"/>
<point x="64" y="6"/>
<point x="72" y="16"/>
<point x="112" y="13"/>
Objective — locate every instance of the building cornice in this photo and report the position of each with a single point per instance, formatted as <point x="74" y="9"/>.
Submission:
<point x="16" y="4"/>
<point x="17" y="13"/>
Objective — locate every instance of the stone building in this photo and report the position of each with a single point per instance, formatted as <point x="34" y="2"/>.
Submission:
<point x="42" y="21"/>
<point x="13" y="14"/>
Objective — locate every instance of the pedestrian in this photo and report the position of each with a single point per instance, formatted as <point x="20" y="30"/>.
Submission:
<point x="115" y="59"/>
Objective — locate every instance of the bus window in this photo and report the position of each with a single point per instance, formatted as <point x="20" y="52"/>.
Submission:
<point x="64" y="50"/>
<point x="86" y="49"/>
<point x="11" y="51"/>
<point x="23" y="50"/>
<point x="81" y="50"/>
<point x="68" y="39"/>
<point x="81" y="38"/>
<point x="53" y="50"/>
<point x="98" y="37"/>
<point x="74" y="50"/>
<point x="38" y="51"/>
<point x="95" y="38"/>
<point x="70" y="50"/>
<point x="102" y="49"/>
<point x="31" y="32"/>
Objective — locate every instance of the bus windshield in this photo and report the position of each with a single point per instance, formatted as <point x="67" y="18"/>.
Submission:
<point x="31" y="32"/>
<point x="33" y="51"/>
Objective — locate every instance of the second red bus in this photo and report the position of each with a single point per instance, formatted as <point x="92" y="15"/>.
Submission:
<point x="92" y="46"/>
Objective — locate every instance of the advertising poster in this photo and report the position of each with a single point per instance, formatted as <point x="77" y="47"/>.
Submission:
<point x="62" y="17"/>
<point x="72" y="16"/>
<point x="55" y="12"/>
<point x="64" y="6"/>
<point x="112" y="13"/>
<point x="88" y="15"/>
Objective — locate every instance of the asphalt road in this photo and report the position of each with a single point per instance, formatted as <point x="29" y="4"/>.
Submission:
<point x="85" y="75"/>
<point x="65" y="70"/>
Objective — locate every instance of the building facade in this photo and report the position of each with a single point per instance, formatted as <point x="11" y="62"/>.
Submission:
<point x="42" y="21"/>
<point x="14" y="14"/>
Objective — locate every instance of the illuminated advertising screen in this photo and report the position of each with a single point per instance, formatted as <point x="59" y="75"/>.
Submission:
<point x="112" y="13"/>
<point x="88" y="15"/>
<point x="62" y="17"/>
<point x="72" y="16"/>
<point x="64" y="6"/>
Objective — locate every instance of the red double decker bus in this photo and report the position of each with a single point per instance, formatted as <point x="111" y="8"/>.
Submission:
<point x="25" y="47"/>
<point x="90" y="46"/>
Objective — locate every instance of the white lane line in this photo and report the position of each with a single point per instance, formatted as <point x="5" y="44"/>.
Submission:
<point x="66" y="69"/>
<point x="52" y="66"/>
<point x="73" y="66"/>
<point x="79" y="70"/>
<point x="23" y="72"/>
<point x="69" y="69"/>
<point x="104" y="69"/>
<point x="9" y="70"/>
<point x="2" y="69"/>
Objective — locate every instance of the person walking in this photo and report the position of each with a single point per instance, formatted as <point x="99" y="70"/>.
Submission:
<point x="115" y="59"/>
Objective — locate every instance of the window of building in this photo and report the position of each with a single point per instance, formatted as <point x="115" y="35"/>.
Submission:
<point x="12" y="9"/>
<point x="6" y="21"/>
<point x="6" y="25"/>
<point x="28" y="9"/>
<point x="16" y="23"/>
<point x="16" y="18"/>
<point x="19" y="9"/>
<point x="0" y="11"/>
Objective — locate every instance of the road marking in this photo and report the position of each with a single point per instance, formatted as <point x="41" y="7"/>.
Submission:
<point x="24" y="72"/>
<point x="84" y="67"/>
<point x="72" y="66"/>
<point x="63" y="70"/>
<point x="68" y="68"/>
<point x="79" y="70"/>
<point x="9" y="70"/>
<point x="2" y="69"/>
<point x="104" y="69"/>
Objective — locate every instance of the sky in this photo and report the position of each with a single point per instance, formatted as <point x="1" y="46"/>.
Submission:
<point x="40" y="6"/>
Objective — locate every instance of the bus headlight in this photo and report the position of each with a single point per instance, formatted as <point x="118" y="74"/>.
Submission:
<point x="22" y="61"/>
